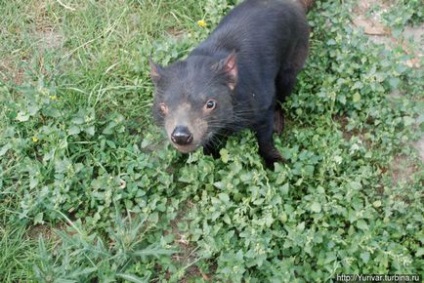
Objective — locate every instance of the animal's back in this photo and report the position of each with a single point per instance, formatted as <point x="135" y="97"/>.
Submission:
<point x="260" y="30"/>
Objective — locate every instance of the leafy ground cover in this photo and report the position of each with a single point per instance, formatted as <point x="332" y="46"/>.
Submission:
<point x="90" y="191"/>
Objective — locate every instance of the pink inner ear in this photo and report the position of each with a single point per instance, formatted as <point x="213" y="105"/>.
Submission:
<point x="154" y="71"/>
<point x="230" y="68"/>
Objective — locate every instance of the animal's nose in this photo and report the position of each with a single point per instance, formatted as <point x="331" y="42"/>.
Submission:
<point x="181" y="136"/>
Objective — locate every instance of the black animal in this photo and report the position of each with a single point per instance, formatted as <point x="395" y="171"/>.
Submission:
<point x="235" y="79"/>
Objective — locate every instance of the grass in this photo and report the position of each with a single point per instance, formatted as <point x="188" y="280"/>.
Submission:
<point x="90" y="191"/>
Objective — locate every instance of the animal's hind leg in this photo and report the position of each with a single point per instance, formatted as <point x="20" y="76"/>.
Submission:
<point x="278" y="119"/>
<point x="285" y="83"/>
<point x="267" y="149"/>
<point x="286" y="80"/>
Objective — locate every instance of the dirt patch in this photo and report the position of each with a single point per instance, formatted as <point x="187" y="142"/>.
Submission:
<point x="49" y="39"/>
<point x="415" y="33"/>
<point x="44" y="231"/>
<point x="370" y="21"/>
<point x="9" y="71"/>
<point x="44" y="34"/>
<point x="419" y="145"/>
<point x="187" y="255"/>
<point x="368" y="16"/>
<point x="402" y="170"/>
<point x="175" y="33"/>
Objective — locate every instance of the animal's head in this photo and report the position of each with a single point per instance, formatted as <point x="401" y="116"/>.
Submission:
<point x="193" y="98"/>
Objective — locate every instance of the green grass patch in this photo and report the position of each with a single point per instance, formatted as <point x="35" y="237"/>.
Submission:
<point x="90" y="190"/>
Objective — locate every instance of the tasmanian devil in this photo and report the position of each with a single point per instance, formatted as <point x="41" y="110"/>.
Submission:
<point x="235" y="79"/>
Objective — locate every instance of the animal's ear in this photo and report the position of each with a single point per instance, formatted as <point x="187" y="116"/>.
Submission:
<point x="155" y="71"/>
<point x="229" y="66"/>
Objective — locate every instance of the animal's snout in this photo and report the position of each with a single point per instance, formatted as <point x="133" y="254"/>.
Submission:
<point x="181" y="136"/>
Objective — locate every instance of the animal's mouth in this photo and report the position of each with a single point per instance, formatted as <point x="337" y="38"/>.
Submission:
<point x="186" y="148"/>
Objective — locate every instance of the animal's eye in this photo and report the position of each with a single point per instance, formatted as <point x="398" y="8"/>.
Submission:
<point x="210" y="104"/>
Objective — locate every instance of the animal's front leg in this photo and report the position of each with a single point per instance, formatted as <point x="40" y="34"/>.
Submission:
<point x="213" y="146"/>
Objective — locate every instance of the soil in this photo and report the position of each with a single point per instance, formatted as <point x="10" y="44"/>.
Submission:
<point x="410" y="41"/>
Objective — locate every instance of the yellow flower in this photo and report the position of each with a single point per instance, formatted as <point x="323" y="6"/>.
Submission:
<point x="34" y="139"/>
<point x="201" y="23"/>
<point x="53" y="97"/>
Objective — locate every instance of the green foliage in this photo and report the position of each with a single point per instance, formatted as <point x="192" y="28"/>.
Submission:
<point x="15" y="252"/>
<point x="78" y="150"/>
<point x="404" y="12"/>
<point x="83" y="256"/>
